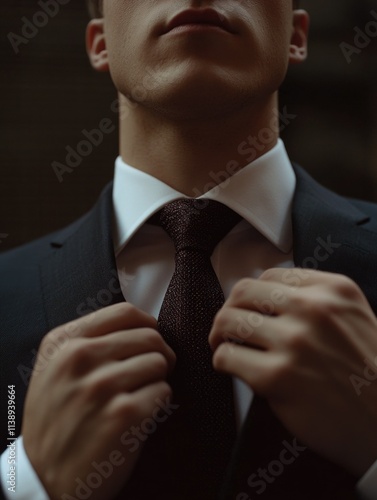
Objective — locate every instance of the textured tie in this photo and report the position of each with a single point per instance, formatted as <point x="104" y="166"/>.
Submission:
<point x="190" y="452"/>
<point x="206" y="425"/>
<point x="186" y="458"/>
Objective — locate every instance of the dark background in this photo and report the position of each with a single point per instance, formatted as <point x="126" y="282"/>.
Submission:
<point x="49" y="94"/>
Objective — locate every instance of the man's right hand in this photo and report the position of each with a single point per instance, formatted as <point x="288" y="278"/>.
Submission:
<point x="105" y="378"/>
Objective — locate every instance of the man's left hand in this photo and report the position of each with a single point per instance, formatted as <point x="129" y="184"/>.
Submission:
<point x="307" y="342"/>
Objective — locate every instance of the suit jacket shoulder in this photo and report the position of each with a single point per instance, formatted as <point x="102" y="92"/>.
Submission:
<point x="335" y="234"/>
<point x="46" y="283"/>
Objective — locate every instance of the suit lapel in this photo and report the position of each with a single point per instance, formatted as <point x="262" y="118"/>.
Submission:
<point x="81" y="274"/>
<point x="329" y="234"/>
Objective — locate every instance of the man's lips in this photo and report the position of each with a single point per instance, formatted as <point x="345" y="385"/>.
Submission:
<point x="203" y="16"/>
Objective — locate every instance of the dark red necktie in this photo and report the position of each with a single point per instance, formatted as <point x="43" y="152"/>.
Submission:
<point x="186" y="458"/>
<point x="205" y="422"/>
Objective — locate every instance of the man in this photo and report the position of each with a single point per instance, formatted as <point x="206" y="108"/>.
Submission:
<point x="303" y="341"/>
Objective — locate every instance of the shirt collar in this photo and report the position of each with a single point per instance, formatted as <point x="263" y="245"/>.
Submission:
<point x="261" y="192"/>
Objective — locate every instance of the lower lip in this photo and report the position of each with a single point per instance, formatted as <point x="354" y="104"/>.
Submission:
<point x="193" y="28"/>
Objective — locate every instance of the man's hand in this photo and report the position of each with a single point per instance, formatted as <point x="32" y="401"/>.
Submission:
<point x="301" y="340"/>
<point x="107" y="376"/>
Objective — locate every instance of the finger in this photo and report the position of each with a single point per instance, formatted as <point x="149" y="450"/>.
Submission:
<point x="126" y="376"/>
<point x="265" y="297"/>
<point x="250" y="365"/>
<point x="129" y="343"/>
<point x="107" y="320"/>
<point x="332" y="285"/>
<point x="299" y="277"/>
<point x="242" y="326"/>
<point x="148" y="401"/>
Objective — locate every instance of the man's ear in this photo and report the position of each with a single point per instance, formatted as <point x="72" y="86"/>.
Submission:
<point x="96" y="45"/>
<point x="298" y="49"/>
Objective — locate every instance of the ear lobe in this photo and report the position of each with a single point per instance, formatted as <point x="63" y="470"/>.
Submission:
<point x="298" y="49"/>
<point x="96" y="45"/>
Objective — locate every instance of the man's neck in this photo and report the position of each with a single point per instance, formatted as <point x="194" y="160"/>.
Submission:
<point x="193" y="156"/>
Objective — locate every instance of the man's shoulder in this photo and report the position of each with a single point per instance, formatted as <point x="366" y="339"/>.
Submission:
<point x="311" y="197"/>
<point x="31" y="254"/>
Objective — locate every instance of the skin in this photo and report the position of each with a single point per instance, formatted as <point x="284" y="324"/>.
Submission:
<point x="299" y="354"/>
<point x="107" y="379"/>
<point x="209" y="92"/>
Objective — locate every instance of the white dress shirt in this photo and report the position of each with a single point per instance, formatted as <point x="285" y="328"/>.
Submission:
<point x="261" y="193"/>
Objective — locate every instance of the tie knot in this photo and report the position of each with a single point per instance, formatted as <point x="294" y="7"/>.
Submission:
<point x="196" y="224"/>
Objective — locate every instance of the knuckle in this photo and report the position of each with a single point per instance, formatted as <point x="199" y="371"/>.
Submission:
<point x="163" y="391"/>
<point x="324" y="307"/>
<point x="221" y="320"/>
<point x="297" y="339"/>
<point x="83" y="351"/>
<point x="50" y="336"/>
<point x="301" y="303"/>
<point x="94" y="389"/>
<point x="346" y="288"/>
<point x="82" y="354"/>
<point x="268" y="275"/>
<point x="152" y="338"/>
<point x="125" y="406"/>
<point x="125" y="309"/>
<point x="159" y="364"/>
<point x="317" y="312"/>
<point x="220" y="357"/>
<point x="315" y="305"/>
<point x="240" y="289"/>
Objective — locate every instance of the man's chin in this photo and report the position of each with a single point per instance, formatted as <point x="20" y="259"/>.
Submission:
<point x="199" y="95"/>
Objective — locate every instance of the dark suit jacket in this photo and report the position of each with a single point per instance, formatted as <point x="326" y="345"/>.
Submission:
<point x="59" y="277"/>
